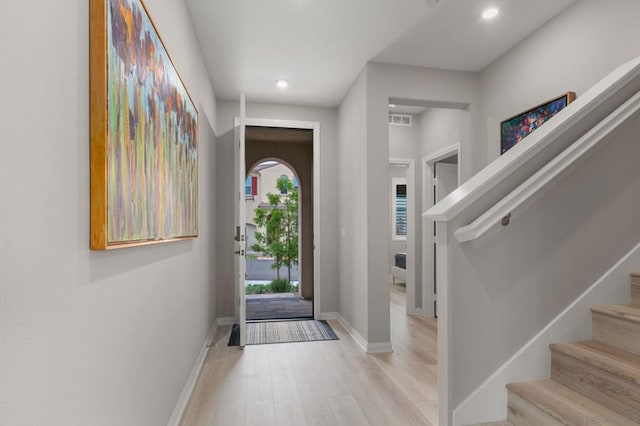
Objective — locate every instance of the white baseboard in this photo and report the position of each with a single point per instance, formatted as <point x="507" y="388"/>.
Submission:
<point x="372" y="348"/>
<point x="379" y="348"/>
<point x="226" y="321"/>
<point x="489" y="401"/>
<point x="327" y="316"/>
<point x="189" y="386"/>
<point x="416" y="311"/>
<point x="361" y="341"/>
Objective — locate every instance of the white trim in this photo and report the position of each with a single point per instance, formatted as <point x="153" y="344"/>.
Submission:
<point x="361" y="341"/>
<point x="428" y="263"/>
<point x="442" y="154"/>
<point x="222" y="321"/>
<point x="531" y="362"/>
<point x="445" y="353"/>
<point x="370" y="348"/>
<point x="517" y="197"/>
<point x="379" y="348"/>
<point x="609" y="87"/>
<point x="317" y="265"/>
<point x="190" y="385"/>
<point x="328" y="316"/>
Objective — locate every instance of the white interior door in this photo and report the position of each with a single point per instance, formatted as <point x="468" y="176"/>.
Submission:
<point x="240" y="231"/>
<point x="446" y="180"/>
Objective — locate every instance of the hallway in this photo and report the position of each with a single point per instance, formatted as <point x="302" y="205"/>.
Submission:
<point x="321" y="383"/>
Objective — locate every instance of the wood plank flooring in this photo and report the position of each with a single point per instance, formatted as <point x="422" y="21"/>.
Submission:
<point x="321" y="383"/>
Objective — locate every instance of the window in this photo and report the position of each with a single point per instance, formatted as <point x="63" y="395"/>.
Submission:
<point x="251" y="186"/>
<point x="399" y="208"/>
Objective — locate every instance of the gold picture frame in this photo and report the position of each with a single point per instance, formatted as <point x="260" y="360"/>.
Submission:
<point x="144" y="133"/>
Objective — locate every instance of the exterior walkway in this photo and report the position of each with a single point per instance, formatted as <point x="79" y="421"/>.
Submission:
<point x="277" y="306"/>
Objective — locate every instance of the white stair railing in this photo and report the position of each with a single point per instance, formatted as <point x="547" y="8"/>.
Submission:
<point x="539" y="145"/>
<point x="510" y="205"/>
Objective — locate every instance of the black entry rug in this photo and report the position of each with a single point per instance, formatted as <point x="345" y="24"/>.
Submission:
<point x="263" y="333"/>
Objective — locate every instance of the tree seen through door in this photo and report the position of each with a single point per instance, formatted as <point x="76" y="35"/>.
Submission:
<point x="271" y="192"/>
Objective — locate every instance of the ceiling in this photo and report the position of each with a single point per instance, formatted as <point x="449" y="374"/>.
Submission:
<point x="320" y="46"/>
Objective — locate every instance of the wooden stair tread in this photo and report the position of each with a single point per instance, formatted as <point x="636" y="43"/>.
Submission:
<point x="628" y="312"/>
<point x="615" y="361"/>
<point x="635" y="274"/>
<point x="564" y="405"/>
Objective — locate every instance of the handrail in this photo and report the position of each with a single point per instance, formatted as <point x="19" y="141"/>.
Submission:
<point x="510" y="204"/>
<point x="600" y="100"/>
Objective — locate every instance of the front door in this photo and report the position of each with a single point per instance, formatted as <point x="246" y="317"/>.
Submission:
<point x="240" y="230"/>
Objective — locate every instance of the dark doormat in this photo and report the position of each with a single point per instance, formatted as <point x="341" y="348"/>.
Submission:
<point x="263" y="333"/>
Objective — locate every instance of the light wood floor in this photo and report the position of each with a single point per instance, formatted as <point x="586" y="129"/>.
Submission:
<point x="321" y="383"/>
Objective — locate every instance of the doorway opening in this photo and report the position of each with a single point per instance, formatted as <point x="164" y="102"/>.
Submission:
<point x="279" y="277"/>
<point x="273" y="252"/>
<point x="441" y="177"/>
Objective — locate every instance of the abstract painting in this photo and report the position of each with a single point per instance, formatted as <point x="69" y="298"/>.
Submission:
<point x="514" y="129"/>
<point x="144" y="133"/>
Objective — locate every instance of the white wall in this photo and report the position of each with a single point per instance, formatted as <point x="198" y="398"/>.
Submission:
<point x="435" y="87"/>
<point x="352" y="206"/>
<point x="327" y="117"/>
<point x="570" y="53"/>
<point x="385" y="81"/>
<point x="440" y="128"/>
<point x="100" y="338"/>
<point x="404" y="140"/>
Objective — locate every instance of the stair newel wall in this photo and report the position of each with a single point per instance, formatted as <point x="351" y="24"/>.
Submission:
<point x="443" y="289"/>
<point x="504" y="288"/>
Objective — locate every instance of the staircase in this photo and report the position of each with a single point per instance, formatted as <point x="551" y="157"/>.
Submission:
<point x="593" y="382"/>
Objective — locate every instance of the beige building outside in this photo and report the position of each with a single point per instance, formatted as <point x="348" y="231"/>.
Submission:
<point x="261" y="181"/>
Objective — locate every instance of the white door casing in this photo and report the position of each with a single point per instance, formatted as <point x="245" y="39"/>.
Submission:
<point x="428" y="226"/>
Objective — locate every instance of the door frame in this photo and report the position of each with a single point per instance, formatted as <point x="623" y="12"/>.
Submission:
<point x="315" y="126"/>
<point x="428" y="240"/>
<point x="411" y="240"/>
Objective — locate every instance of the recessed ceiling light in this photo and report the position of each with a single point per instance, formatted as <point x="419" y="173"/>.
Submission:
<point x="392" y="105"/>
<point x="282" y="84"/>
<point x="490" y="13"/>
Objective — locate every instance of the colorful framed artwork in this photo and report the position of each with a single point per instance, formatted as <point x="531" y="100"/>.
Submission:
<point x="144" y="133"/>
<point x="514" y="129"/>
